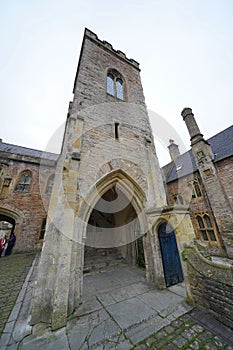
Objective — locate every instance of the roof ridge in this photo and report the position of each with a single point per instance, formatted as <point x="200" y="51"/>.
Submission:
<point x="32" y="149"/>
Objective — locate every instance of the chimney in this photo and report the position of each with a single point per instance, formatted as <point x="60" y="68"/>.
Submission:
<point x="173" y="150"/>
<point x="193" y="129"/>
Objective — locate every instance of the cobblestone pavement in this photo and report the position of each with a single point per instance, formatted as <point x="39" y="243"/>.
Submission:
<point x="13" y="271"/>
<point x="194" y="330"/>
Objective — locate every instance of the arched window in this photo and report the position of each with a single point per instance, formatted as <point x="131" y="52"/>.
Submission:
<point x="119" y="89"/>
<point x="49" y="184"/>
<point x="110" y="84"/>
<point x="195" y="189"/>
<point x="206" y="228"/>
<point x="209" y="227"/>
<point x="115" y="84"/>
<point x="23" y="184"/>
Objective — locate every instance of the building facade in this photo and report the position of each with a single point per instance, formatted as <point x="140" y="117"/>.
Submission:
<point x="26" y="178"/>
<point x="105" y="194"/>
<point x="202" y="178"/>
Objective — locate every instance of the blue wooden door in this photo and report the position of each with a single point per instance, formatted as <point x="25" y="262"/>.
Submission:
<point x="170" y="255"/>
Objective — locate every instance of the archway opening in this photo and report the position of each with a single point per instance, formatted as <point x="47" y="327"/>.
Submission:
<point x="173" y="273"/>
<point x="7" y="226"/>
<point x="113" y="235"/>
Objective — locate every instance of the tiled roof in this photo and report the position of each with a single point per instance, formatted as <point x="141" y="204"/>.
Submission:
<point x="222" y="146"/>
<point x="222" y="143"/>
<point x="24" y="151"/>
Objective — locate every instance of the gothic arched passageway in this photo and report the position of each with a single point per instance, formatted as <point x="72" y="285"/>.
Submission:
<point x="113" y="233"/>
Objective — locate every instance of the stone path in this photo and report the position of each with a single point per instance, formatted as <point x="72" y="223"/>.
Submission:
<point x="122" y="311"/>
<point x="13" y="271"/>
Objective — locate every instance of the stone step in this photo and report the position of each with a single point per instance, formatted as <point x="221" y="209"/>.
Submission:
<point x="103" y="262"/>
<point x="90" y="251"/>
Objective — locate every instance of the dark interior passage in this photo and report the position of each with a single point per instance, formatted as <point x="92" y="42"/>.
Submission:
<point x="112" y="233"/>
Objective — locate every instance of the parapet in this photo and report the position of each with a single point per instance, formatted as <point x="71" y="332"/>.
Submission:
<point x="88" y="33"/>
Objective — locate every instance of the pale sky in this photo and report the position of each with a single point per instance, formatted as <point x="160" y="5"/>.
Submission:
<point x="185" y="51"/>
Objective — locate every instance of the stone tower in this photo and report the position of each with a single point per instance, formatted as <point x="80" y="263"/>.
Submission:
<point x="205" y="160"/>
<point x="108" y="190"/>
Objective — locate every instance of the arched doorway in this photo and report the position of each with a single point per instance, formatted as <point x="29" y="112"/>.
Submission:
<point x="170" y="255"/>
<point x="7" y="226"/>
<point x="113" y="233"/>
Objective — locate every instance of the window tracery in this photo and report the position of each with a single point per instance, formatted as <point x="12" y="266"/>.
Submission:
<point x="206" y="228"/>
<point x="195" y="189"/>
<point x="24" y="182"/>
<point x="115" y="84"/>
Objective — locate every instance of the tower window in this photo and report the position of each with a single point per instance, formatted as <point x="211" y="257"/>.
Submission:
<point x="110" y="84"/>
<point x="119" y="89"/>
<point x="115" y="84"/>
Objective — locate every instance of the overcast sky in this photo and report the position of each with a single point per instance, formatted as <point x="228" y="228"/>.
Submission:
<point x="185" y="51"/>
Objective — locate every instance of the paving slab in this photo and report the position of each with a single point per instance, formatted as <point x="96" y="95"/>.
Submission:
<point x="50" y="341"/>
<point x="89" y="330"/>
<point x="123" y="293"/>
<point x="143" y="330"/>
<point x="160" y="300"/>
<point x="142" y="287"/>
<point x="179" y="289"/>
<point x="106" y="299"/>
<point x="130" y="312"/>
<point x="88" y="307"/>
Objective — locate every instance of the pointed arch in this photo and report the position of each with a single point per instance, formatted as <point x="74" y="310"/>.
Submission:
<point x="11" y="215"/>
<point x="13" y="218"/>
<point x="126" y="184"/>
<point x="130" y="189"/>
<point x="115" y="84"/>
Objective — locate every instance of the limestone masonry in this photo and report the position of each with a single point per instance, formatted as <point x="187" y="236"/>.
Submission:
<point x="105" y="198"/>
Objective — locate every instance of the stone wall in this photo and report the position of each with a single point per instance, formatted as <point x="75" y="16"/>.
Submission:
<point x="211" y="285"/>
<point x="225" y="173"/>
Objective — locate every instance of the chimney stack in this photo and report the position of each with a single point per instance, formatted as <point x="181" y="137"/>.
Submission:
<point x="173" y="150"/>
<point x="193" y="129"/>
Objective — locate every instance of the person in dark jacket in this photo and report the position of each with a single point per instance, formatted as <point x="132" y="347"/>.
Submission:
<point x="11" y="243"/>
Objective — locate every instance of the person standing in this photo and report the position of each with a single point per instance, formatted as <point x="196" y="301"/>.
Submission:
<point x="11" y="244"/>
<point x="2" y="244"/>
